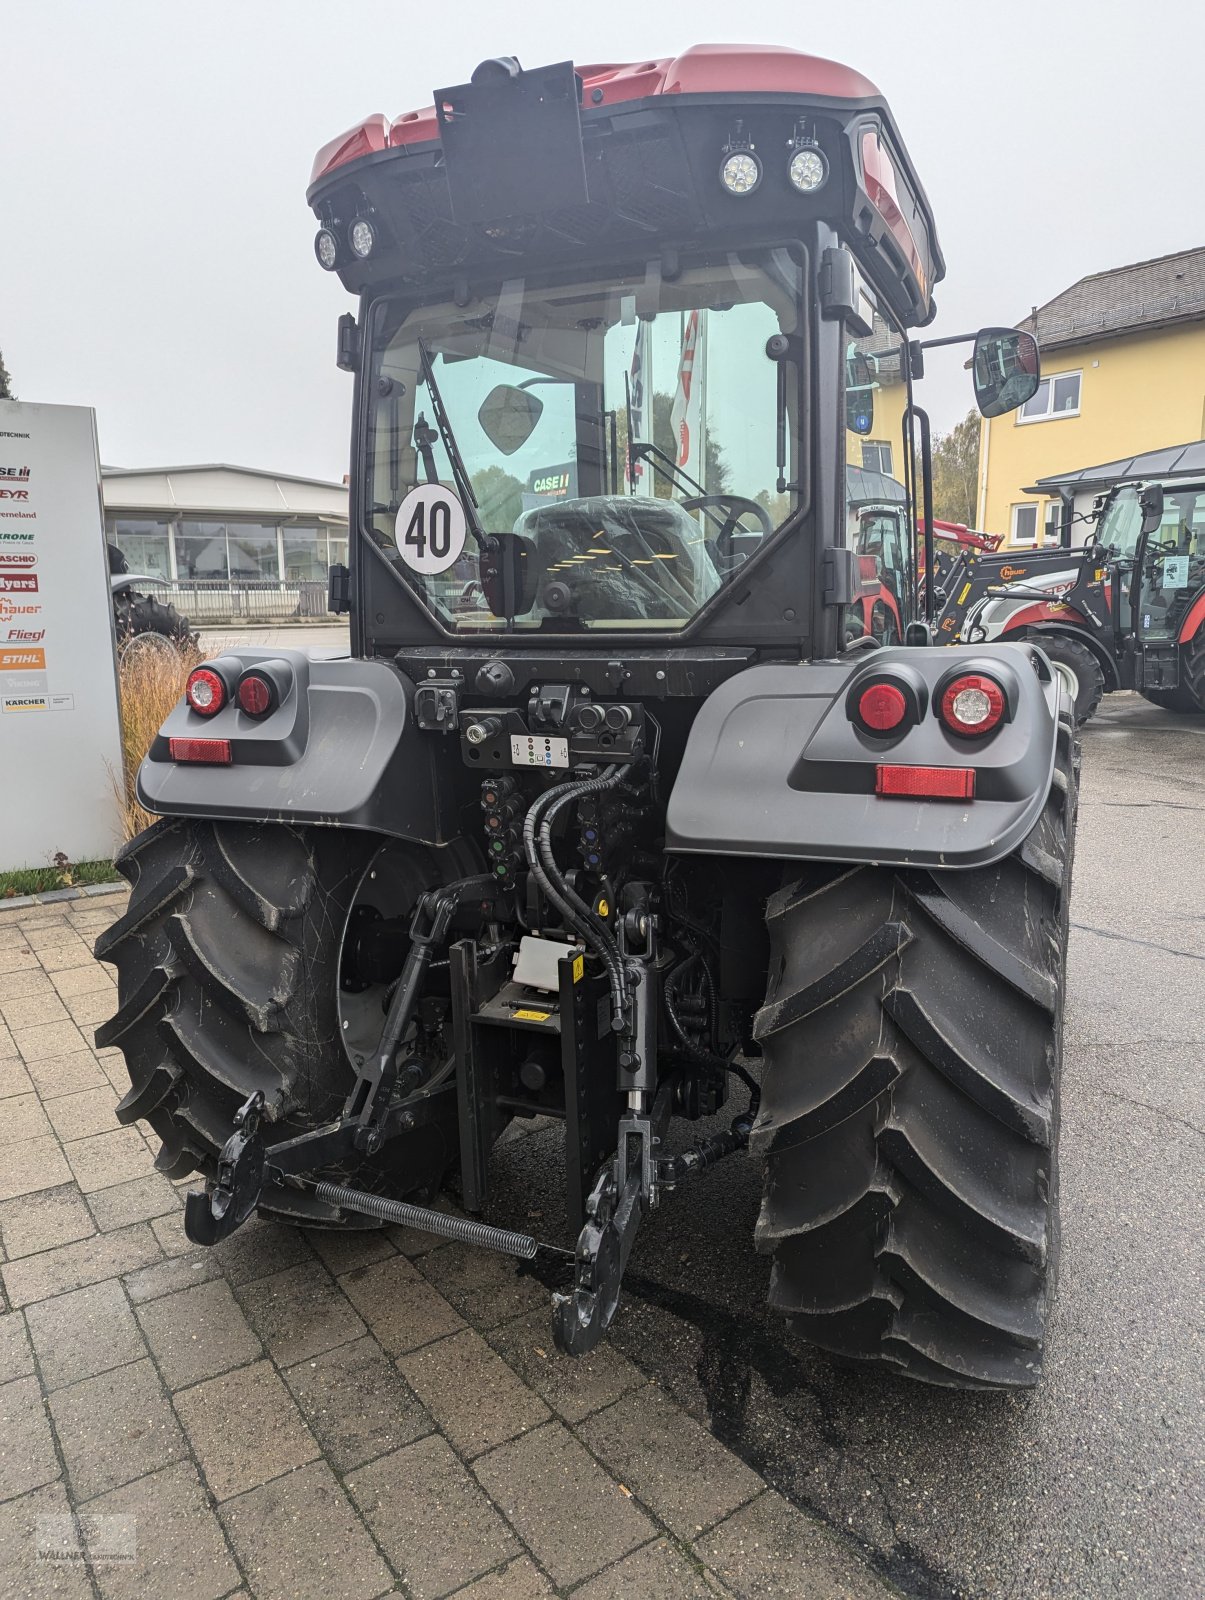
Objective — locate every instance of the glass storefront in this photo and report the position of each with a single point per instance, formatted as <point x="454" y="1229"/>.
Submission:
<point x="145" y="543"/>
<point x="239" y="552"/>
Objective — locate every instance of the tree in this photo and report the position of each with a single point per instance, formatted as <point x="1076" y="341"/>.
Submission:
<point x="655" y="480"/>
<point x="6" y="383"/>
<point x="956" y="472"/>
<point x="499" y="499"/>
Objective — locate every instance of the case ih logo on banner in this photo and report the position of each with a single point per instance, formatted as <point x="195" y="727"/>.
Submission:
<point x="23" y="583"/>
<point x="15" y="472"/>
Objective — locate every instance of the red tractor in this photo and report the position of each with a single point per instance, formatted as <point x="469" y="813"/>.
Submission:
<point x="602" y="820"/>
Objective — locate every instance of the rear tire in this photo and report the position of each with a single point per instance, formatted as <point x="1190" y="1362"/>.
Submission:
<point x="1188" y="697"/>
<point x="910" y="1112"/>
<point x="230" y="979"/>
<point x="136" y="614"/>
<point x="1079" y="669"/>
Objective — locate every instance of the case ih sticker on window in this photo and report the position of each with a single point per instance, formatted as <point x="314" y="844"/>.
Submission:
<point x="430" y="529"/>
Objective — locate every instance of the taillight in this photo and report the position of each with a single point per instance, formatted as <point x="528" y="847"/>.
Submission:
<point x="882" y="707"/>
<point x="972" y="705"/>
<point x="255" y="695"/>
<point x="214" y="752"/>
<point x="925" y="783"/>
<point x="205" y="692"/>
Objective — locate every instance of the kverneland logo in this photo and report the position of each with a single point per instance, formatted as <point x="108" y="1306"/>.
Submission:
<point x="18" y="583"/>
<point x="14" y="472"/>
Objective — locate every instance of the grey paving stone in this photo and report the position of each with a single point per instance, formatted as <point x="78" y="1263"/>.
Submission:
<point x="170" y="1234"/>
<point x="79" y="1334"/>
<point x="299" y="1313"/>
<point x="88" y="1111"/>
<point x="43" y="925"/>
<point x="47" y="1039"/>
<point x="299" y="1539"/>
<point x="245" y="1428"/>
<point x="27" y="1458"/>
<point x="136" y="1201"/>
<point x="31" y="1010"/>
<point x="69" y="951"/>
<point x="657" y="1569"/>
<point x="14" y="1079"/>
<point x="23" y="1119"/>
<point x="471" y="1392"/>
<point x="168" y="1277"/>
<point x="357" y="1403"/>
<point x="95" y="979"/>
<point x="89" y="1010"/>
<point x="72" y="1266"/>
<point x="18" y="958"/>
<point x="684" y="1475"/>
<point x="343" y="1251"/>
<point x="40" y="1221"/>
<point x="23" y="986"/>
<point x="68" y="1074"/>
<point x="16" y="1356"/>
<point x="181" y="1551"/>
<point x="572" y="1386"/>
<point x="259" y="1248"/>
<point x="197" y="1333"/>
<point x="27" y="1565"/>
<point x="518" y="1580"/>
<point x="573" y="1518"/>
<point x="115" y="1428"/>
<point x="400" y="1307"/>
<point x="108" y="1158"/>
<point x="770" y="1551"/>
<point x="30" y="1166"/>
<point x="486" y="1288"/>
<point x="430" y="1518"/>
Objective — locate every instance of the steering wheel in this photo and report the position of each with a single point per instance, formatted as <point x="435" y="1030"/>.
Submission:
<point x="734" y="507"/>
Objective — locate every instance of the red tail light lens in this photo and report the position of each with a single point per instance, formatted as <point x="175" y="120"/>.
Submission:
<point x="214" y="752"/>
<point x="882" y="707"/>
<point x="205" y="692"/>
<point x="255" y="695"/>
<point x="925" y="783"/>
<point x="972" y="705"/>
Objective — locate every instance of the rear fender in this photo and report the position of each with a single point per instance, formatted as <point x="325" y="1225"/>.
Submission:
<point x="1084" y="635"/>
<point x="775" y="768"/>
<point x="341" y="749"/>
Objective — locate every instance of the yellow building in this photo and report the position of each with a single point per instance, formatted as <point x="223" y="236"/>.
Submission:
<point x="1123" y="371"/>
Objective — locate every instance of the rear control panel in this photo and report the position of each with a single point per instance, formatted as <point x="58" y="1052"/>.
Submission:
<point x="561" y="726"/>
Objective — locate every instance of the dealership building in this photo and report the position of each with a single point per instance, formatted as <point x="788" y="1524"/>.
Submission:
<point x="220" y="534"/>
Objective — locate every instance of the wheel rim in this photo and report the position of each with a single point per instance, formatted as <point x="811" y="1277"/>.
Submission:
<point x="1068" y="678"/>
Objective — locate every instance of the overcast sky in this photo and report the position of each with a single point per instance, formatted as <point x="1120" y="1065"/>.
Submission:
<point x="156" y="256"/>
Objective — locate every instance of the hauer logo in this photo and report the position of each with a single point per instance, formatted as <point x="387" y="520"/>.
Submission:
<point x="12" y="608"/>
<point x="22" y="661"/>
<point x="18" y="583"/>
<point x="21" y="473"/>
<point x="26" y="635"/>
<point x="1009" y="573"/>
<point x="17" y="560"/>
<point x="14" y="494"/>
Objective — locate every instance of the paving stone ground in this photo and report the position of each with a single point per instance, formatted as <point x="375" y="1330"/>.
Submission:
<point x="299" y="1415"/>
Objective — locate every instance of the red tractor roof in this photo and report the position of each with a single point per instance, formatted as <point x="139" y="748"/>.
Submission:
<point x="703" y="69"/>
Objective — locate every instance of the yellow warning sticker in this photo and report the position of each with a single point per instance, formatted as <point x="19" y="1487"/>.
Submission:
<point x="532" y="1016"/>
<point x="579" y="968"/>
<point x="966" y="591"/>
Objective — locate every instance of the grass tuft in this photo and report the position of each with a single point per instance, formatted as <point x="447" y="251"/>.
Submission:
<point x="151" y="682"/>
<point x="60" y="874"/>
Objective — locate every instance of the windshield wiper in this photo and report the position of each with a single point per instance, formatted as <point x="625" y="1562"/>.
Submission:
<point x="459" y="474"/>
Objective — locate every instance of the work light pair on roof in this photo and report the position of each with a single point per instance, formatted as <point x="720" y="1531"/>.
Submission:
<point x="360" y="240"/>
<point x="741" y="167"/>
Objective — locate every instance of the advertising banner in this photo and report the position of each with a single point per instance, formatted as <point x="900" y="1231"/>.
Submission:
<point x="60" y="733"/>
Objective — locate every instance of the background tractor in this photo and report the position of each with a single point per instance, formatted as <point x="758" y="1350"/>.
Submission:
<point x="602" y="820"/>
<point x="1127" y="611"/>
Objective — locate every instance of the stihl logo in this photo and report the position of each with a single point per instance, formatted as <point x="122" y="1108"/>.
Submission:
<point x="14" y="472"/>
<point x="26" y="583"/>
<point x="14" y="494"/>
<point x="22" y="660"/>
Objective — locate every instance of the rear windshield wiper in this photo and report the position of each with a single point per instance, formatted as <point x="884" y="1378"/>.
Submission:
<point x="459" y="474"/>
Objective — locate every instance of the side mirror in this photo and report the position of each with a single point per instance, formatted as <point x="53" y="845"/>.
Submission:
<point x="509" y="573"/>
<point x="859" y="393"/>
<point x="508" y="417"/>
<point x="1151" y="501"/>
<point x="1006" y="370"/>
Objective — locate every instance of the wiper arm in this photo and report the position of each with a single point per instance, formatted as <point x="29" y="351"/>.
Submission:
<point x="459" y="474"/>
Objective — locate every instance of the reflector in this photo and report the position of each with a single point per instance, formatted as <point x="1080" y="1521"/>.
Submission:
<point x="215" y="752"/>
<point x="925" y="783"/>
<point x="882" y="707"/>
<point x="255" y="695"/>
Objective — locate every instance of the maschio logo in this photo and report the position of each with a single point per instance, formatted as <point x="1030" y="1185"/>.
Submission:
<point x="14" y="472"/>
<point x="14" y="608"/>
<point x="14" y="494"/>
<point x="1009" y="573"/>
<point x="17" y="560"/>
<point x="22" y="583"/>
<point x="26" y="635"/>
<point x="22" y="661"/>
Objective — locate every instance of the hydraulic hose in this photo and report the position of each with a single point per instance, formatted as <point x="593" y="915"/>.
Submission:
<point x="609" y="780"/>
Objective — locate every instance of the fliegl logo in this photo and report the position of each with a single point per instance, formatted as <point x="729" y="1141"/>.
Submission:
<point x="26" y="635"/>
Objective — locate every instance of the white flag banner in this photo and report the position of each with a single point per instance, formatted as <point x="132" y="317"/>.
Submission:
<point x="686" y="417"/>
<point x="637" y="390"/>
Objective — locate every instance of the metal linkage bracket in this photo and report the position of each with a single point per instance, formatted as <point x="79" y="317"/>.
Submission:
<point x="211" y="1214"/>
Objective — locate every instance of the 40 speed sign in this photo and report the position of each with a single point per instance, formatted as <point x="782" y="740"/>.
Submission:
<point x="430" y="529"/>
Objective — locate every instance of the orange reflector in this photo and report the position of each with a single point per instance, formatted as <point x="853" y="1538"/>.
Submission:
<point x="214" y="751"/>
<point x="926" y="783"/>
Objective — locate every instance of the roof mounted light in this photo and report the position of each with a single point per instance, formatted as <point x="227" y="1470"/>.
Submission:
<point x="740" y="170"/>
<point x="326" y="248"/>
<point x="362" y="238"/>
<point x="807" y="165"/>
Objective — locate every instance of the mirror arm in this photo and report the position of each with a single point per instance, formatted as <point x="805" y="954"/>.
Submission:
<point x="955" y="338"/>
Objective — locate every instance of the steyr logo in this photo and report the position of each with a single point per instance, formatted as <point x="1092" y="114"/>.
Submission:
<point x="14" y="494"/>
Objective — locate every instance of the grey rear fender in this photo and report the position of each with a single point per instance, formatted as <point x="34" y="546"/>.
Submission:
<point x="775" y="766"/>
<point x="341" y="749"/>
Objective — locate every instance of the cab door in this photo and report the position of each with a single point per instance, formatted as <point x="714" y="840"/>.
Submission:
<point x="1168" y="574"/>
